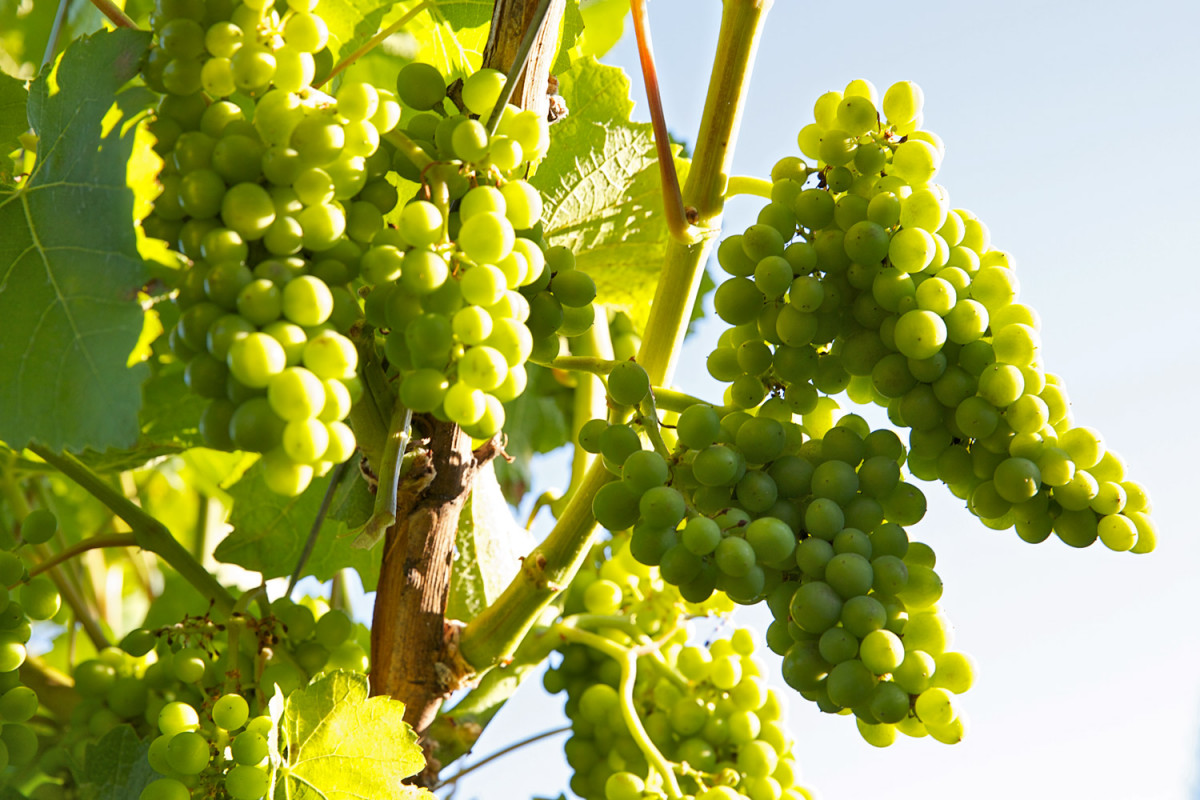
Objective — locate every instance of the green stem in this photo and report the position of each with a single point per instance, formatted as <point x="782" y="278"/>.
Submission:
<point x="650" y="424"/>
<point x="518" y="66"/>
<point x="590" y="398"/>
<point x="394" y="446"/>
<point x="334" y="481"/>
<point x="367" y="416"/>
<point x="673" y="400"/>
<point x="741" y="24"/>
<point x="589" y="364"/>
<point x="55" y="32"/>
<point x="416" y="154"/>
<point x="374" y="42"/>
<point x="745" y="184"/>
<point x="92" y="543"/>
<point x="628" y="661"/>
<point x="494" y="634"/>
<point x="149" y="533"/>
<point x="462" y="773"/>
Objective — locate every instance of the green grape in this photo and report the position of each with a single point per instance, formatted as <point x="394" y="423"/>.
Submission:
<point x="177" y="717"/>
<point x="18" y="704"/>
<point x="329" y="355"/>
<point x="188" y="753"/>
<point x="38" y="527"/>
<point x="283" y="475"/>
<point x="249" y="748"/>
<point x="189" y="664"/>
<point x="165" y="789"/>
<point x="421" y="86"/>
<point x="245" y="782"/>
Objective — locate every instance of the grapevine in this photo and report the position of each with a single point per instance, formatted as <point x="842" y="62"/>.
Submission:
<point x="351" y="272"/>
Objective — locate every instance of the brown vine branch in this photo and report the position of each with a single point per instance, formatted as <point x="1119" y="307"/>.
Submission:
<point x="115" y="14"/>
<point x="678" y="222"/>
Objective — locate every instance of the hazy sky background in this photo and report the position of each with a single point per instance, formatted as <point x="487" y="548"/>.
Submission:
<point x="1070" y="130"/>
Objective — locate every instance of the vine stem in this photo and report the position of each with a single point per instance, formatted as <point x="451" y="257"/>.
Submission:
<point x="114" y="14"/>
<point x="737" y="42"/>
<point x="315" y="530"/>
<point x="745" y="184"/>
<point x="677" y="217"/>
<point x="55" y="32"/>
<point x="148" y="532"/>
<point x="628" y="662"/>
<point x="93" y="543"/>
<point x="495" y="633"/>
<point x="462" y="773"/>
<point x="518" y="66"/>
<point x="374" y="42"/>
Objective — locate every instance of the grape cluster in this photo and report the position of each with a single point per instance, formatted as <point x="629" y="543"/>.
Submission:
<point x="464" y="287"/>
<point x="273" y="190"/>
<point x="865" y="280"/>
<point x="746" y="505"/>
<point x="37" y="599"/>
<point x="199" y="692"/>
<point x="707" y="710"/>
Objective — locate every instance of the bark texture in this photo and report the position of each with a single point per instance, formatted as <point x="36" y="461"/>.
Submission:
<point x="409" y="636"/>
<point x="510" y="20"/>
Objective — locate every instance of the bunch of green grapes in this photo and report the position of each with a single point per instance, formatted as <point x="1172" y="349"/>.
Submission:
<point x="464" y="289"/>
<point x="815" y="527"/>
<point x="27" y="602"/>
<point x="858" y="276"/>
<point x="201" y="700"/>
<point x="273" y="190"/>
<point x="707" y="710"/>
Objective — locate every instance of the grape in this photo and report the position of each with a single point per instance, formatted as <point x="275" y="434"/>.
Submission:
<point x="165" y="789"/>
<point x="249" y="748"/>
<point x="245" y="782"/>
<point x="420" y="86"/>
<point x="38" y="527"/>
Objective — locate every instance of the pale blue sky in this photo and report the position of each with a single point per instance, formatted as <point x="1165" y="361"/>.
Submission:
<point x="1070" y="130"/>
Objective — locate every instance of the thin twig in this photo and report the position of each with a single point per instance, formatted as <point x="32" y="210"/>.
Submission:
<point x="374" y="42"/>
<point x="92" y="543"/>
<point x="500" y="753"/>
<point x="518" y="65"/>
<point x="115" y="14"/>
<point x="677" y="219"/>
<point x="318" y="521"/>
<point x="55" y="32"/>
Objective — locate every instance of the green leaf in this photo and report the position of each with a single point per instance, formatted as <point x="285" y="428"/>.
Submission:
<point x="68" y="291"/>
<point x="450" y="34"/>
<point x="169" y="421"/>
<point x="343" y="745"/>
<point x="117" y="768"/>
<point x="571" y="32"/>
<point x="603" y="25"/>
<point x="269" y="532"/>
<point x="489" y="546"/>
<point x="603" y="196"/>
<point x="12" y="123"/>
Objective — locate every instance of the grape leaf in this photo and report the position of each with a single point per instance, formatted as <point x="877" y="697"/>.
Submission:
<point x="68" y="292"/>
<point x="603" y="196"/>
<point x="343" y="745"/>
<point x="489" y="548"/>
<point x="451" y="34"/>
<point x="169" y="421"/>
<point x="571" y="34"/>
<point x="603" y="25"/>
<point x="12" y="123"/>
<point x="269" y="532"/>
<point x="117" y="767"/>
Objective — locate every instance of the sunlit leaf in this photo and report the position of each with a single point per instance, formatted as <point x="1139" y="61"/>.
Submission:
<point x="343" y="745"/>
<point x="68" y="292"/>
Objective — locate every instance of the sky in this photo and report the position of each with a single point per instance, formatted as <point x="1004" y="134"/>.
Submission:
<point x="1069" y="130"/>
